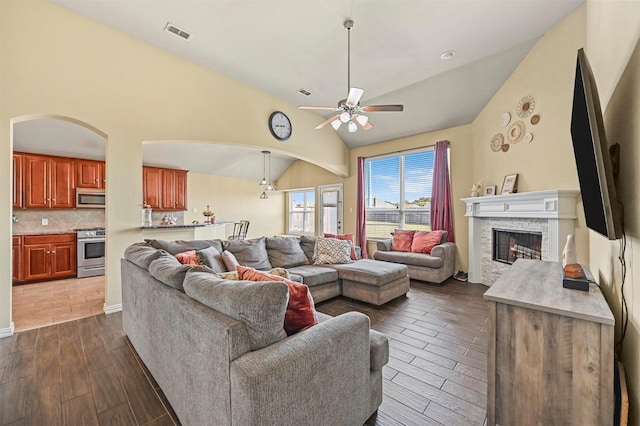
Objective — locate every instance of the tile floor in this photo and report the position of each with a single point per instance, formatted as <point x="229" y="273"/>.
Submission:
<point x="52" y="302"/>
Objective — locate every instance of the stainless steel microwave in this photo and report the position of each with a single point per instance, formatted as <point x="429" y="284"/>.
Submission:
<point x="88" y="198"/>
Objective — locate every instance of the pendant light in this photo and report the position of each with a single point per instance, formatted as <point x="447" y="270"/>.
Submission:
<point x="264" y="168"/>
<point x="270" y="186"/>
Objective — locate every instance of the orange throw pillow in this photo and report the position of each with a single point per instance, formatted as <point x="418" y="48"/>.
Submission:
<point x="345" y="237"/>
<point x="402" y="240"/>
<point x="301" y="312"/>
<point x="188" y="258"/>
<point x="424" y="242"/>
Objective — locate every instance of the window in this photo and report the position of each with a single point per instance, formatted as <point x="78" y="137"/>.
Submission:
<point x="302" y="207"/>
<point x="398" y="192"/>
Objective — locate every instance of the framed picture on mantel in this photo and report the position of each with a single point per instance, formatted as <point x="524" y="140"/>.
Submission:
<point x="510" y="184"/>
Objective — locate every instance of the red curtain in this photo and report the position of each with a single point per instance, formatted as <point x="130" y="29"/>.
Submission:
<point x="361" y="215"/>
<point x="441" y="212"/>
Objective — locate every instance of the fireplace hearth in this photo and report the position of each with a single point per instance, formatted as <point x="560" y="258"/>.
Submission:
<point x="509" y="245"/>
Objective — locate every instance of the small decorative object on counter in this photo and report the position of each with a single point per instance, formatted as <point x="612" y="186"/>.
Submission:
<point x="167" y="221"/>
<point x="146" y="215"/>
<point x="210" y="216"/>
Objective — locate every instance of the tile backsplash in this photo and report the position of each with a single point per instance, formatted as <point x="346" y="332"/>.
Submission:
<point x="58" y="220"/>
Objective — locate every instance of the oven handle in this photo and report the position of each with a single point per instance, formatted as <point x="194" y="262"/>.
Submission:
<point x="91" y="240"/>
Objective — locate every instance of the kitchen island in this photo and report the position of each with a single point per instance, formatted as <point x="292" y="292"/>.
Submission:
<point x="200" y="231"/>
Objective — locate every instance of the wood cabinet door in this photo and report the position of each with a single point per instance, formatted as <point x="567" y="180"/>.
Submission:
<point x="152" y="186"/>
<point x="168" y="193"/>
<point x="89" y="173"/>
<point x="16" y="252"/>
<point x="102" y="170"/>
<point x="37" y="261"/>
<point x="63" y="259"/>
<point x="16" y="175"/>
<point x="63" y="191"/>
<point x="36" y="181"/>
<point x="180" y="190"/>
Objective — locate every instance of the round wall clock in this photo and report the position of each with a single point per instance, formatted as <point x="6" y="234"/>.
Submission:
<point x="280" y="125"/>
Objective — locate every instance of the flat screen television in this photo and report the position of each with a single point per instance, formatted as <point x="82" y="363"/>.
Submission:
<point x="593" y="161"/>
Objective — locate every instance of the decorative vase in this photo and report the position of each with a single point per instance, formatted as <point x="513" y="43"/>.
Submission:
<point x="569" y="256"/>
<point x="475" y="193"/>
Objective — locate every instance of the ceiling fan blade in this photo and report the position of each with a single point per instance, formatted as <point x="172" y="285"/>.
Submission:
<point x="355" y="94"/>
<point x="318" y="108"/>
<point x="327" y="121"/>
<point x="367" y="126"/>
<point x="377" y="108"/>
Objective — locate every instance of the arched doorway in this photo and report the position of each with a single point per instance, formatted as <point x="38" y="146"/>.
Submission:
<point x="53" y="156"/>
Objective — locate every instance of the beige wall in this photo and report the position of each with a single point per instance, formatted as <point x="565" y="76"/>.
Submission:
<point x="56" y="62"/>
<point x="233" y="199"/>
<point x="613" y="30"/>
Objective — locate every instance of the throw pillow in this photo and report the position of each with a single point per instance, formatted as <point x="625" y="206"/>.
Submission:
<point x="229" y="260"/>
<point x="233" y="275"/>
<point x="260" y="306"/>
<point x="301" y="312"/>
<point x="424" y="242"/>
<point x="285" y="252"/>
<point x="252" y="253"/>
<point x="332" y="251"/>
<point x="212" y="258"/>
<point x="188" y="258"/>
<point x="402" y="240"/>
<point x="308" y="245"/>
<point x="347" y="237"/>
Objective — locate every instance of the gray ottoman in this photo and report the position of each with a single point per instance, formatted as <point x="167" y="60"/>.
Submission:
<point x="373" y="281"/>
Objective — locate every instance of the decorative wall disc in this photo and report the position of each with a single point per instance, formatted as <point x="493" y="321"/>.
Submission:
<point x="496" y="142"/>
<point x="528" y="137"/>
<point x="505" y="147"/>
<point x="505" y="119"/>
<point x="525" y="107"/>
<point x="535" y="119"/>
<point x="516" y="132"/>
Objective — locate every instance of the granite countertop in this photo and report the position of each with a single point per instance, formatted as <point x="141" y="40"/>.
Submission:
<point x="190" y="225"/>
<point x="19" y="233"/>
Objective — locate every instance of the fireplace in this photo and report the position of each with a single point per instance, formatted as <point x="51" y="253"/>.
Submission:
<point x="509" y="245"/>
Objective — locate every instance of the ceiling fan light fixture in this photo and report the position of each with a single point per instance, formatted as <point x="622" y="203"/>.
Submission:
<point x="345" y="117"/>
<point x="362" y="119"/>
<point x="352" y="127"/>
<point x="336" y="124"/>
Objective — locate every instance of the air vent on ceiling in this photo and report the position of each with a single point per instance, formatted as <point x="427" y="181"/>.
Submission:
<point x="177" y="31"/>
<point x="304" y="92"/>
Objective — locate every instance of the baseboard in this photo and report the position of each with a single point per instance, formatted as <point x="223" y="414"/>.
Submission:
<point x="112" y="309"/>
<point x="6" y="332"/>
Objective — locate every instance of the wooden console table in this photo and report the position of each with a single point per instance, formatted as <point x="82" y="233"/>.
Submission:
<point x="550" y="350"/>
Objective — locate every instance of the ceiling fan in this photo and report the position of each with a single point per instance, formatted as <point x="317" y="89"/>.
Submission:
<point x="349" y="110"/>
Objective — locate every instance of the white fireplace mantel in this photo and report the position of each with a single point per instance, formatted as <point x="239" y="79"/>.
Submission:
<point x="556" y="207"/>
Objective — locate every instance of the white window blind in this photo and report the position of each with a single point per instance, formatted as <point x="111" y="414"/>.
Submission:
<point x="301" y="212"/>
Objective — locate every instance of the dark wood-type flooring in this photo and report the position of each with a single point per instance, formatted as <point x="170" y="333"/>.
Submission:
<point x="84" y="372"/>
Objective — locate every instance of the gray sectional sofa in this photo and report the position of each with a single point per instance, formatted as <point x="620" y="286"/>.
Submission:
<point x="218" y="350"/>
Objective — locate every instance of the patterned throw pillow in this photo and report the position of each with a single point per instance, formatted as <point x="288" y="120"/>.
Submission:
<point x="187" y="258"/>
<point x="346" y="237"/>
<point x="402" y="240"/>
<point x="332" y="251"/>
<point x="301" y="312"/>
<point x="233" y="275"/>
<point x="424" y="242"/>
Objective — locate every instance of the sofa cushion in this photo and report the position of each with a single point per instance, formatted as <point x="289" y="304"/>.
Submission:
<point x="285" y="252"/>
<point x="414" y="259"/>
<point x="424" y="242"/>
<point x="308" y="245"/>
<point x="371" y="272"/>
<point x="187" y="258"/>
<point x="168" y="270"/>
<point x="346" y="237"/>
<point x="301" y="313"/>
<point x="142" y="254"/>
<point x="313" y="275"/>
<point x="233" y="275"/>
<point x="211" y="257"/>
<point x="261" y="306"/>
<point x="402" y="240"/>
<point x="180" y="246"/>
<point x="332" y="251"/>
<point x="251" y="253"/>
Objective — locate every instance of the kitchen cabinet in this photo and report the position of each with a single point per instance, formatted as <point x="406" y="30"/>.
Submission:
<point x="49" y="256"/>
<point x="16" y="251"/>
<point x="90" y="174"/>
<point x="164" y="189"/>
<point x="16" y="184"/>
<point x="48" y="182"/>
<point x="174" y="189"/>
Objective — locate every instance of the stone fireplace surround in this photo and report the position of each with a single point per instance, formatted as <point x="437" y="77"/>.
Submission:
<point x="551" y="212"/>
